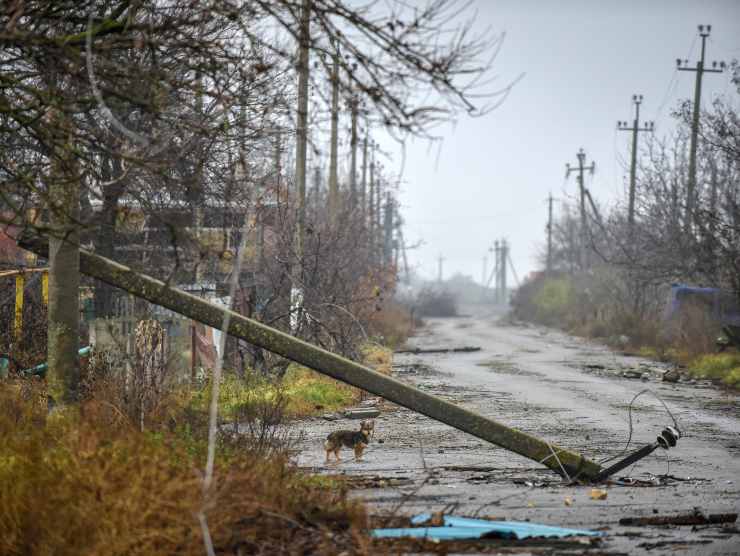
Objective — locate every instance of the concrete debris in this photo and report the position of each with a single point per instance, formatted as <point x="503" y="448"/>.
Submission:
<point x="362" y="413"/>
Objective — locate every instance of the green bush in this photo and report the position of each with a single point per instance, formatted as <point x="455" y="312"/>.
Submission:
<point x="553" y="302"/>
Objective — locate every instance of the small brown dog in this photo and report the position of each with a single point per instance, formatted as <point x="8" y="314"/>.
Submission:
<point x="357" y="440"/>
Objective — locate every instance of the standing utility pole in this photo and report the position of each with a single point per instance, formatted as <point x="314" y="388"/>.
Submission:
<point x="371" y="197"/>
<point x="502" y="265"/>
<point x="549" y="234"/>
<point x="333" y="155"/>
<point x="683" y="65"/>
<point x="353" y="155"/>
<point x="440" y="260"/>
<point x="635" y="129"/>
<point x="363" y="192"/>
<point x="497" y="271"/>
<point x="582" y="187"/>
<point x="388" y="231"/>
<point x="304" y="41"/>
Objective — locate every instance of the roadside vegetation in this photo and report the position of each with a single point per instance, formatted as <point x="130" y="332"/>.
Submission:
<point x="600" y="306"/>
<point x="658" y="273"/>
<point x="87" y="480"/>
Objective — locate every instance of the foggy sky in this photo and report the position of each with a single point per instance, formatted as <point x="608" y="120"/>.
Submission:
<point x="583" y="61"/>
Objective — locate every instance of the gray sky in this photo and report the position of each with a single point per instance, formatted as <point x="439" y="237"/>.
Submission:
<point x="583" y="60"/>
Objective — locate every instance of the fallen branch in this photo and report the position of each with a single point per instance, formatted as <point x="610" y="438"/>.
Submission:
<point x="684" y="519"/>
<point x="464" y="349"/>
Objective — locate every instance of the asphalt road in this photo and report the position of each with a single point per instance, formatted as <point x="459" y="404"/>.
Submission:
<point x="571" y="392"/>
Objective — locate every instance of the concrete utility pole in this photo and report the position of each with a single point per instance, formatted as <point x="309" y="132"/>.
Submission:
<point x="582" y="187"/>
<point x="363" y="192"/>
<point x="683" y="65"/>
<point x="304" y="43"/>
<point x="568" y="464"/>
<point x="388" y="230"/>
<point x="317" y="185"/>
<point x="333" y="155"/>
<point x="504" y="254"/>
<point x="549" y="234"/>
<point x="378" y="239"/>
<point x="371" y="193"/>
<point x="635" y="129"/>
<point x="440" y="260"/>
<point x="497" y="271"/>
<point x="353" y="155"/>
<point x="279" y="169"/>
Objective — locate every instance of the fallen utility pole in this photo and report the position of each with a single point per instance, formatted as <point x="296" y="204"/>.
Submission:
<point x="560" y="460"/>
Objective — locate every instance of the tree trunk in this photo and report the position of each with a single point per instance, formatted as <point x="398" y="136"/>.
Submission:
<point x="64" y="276"/>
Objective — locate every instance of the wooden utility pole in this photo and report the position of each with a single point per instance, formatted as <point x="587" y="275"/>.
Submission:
<point x="304" y="42"/>
<point x="635" y="129"/>
<point x="582" y="188"/>
<point x="333" y="154"/>
<point x="549" y="234"/>
<point x="683" y="65"/>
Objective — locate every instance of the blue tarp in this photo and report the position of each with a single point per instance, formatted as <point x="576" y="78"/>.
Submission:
<point x="459" y="528"/>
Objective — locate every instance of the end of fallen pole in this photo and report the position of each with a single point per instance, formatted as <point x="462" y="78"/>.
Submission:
<point x="667" y="439"/>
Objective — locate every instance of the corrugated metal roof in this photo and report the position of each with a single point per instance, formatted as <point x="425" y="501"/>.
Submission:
<point x="467" y="528"/>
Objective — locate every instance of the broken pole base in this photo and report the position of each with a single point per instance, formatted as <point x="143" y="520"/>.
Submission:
<point x="563" y="462"/>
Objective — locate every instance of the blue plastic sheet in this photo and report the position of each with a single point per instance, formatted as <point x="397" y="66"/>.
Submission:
<point x="460" y="528"/>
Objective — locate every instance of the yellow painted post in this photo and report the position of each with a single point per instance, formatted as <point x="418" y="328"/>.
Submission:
<point x="45" y="287"/>
<point x="20" y="283"/>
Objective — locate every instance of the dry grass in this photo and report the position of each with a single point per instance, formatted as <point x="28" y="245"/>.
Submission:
<point x="86" y="481"/>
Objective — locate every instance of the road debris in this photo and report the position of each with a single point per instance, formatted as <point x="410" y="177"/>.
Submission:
<point x="598" y="494"/>
<point x="655" y="480"/>
<point x="464" y="349"/>
<point x="362" y="413"/>
<point x="694" y="518"/>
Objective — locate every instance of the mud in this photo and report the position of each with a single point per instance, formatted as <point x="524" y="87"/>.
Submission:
<point x="563" y="389"/>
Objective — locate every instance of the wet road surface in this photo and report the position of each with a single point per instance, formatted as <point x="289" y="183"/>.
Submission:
<point x="563" y="389"/>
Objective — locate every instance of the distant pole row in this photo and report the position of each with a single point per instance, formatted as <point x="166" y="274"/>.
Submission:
<point x="682" y="65"/>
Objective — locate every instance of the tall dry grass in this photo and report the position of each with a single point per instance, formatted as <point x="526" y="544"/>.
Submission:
<point x="87" y="480"/>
